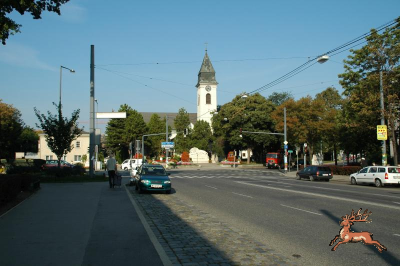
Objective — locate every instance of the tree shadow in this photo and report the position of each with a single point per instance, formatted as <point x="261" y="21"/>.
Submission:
<point x="386" y="255"/>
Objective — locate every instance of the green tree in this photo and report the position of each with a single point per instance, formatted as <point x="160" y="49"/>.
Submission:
<point x="120" y="132"/>
<point x="155" y="126"/>
<point x="361" y="83"/>
<point x="181" y="123"/>
<point x="279" y="97"/>
<point x="201" y="135"/>
<point x="28" y="140"/>
<point x="9" y="26"/>
<point x="60" y="131"/>
<point x="252" y="114"/>
<point x="11" y="126"/>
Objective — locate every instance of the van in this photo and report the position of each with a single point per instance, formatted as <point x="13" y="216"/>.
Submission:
<point x="129" y="163"/>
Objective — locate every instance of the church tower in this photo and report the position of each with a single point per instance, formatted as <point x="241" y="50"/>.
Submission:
<point x="206" y="91"/>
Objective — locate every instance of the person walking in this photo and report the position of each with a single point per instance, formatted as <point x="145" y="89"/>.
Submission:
<point x="111" y="167"/>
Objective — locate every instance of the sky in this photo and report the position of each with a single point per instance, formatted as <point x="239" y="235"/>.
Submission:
<point x="148" y="53"/>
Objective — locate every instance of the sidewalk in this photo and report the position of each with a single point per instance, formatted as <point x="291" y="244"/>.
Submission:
<point x="76" y="224"/>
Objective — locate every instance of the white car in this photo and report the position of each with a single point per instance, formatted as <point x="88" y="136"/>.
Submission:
<point x="135" y="163"/>
<point x="378" y="175"/>
<point x="128" y="164"/>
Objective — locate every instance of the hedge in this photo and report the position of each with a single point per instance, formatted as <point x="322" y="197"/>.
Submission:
<point x="12" y="185"/>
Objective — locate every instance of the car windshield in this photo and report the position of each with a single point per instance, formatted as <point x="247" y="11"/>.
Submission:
<point x="272" y="155"/>
<point x="153" y="171"/>
<point x="394" y="170"/>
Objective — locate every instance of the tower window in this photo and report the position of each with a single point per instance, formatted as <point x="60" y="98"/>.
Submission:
<point x="208" y="98"/>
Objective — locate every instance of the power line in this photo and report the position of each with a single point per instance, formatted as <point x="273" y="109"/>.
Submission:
<point x="306" y="65"/>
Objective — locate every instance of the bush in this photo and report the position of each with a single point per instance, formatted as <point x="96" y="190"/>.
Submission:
<point x="12" y="185"/>
<point x="344" y="170"/>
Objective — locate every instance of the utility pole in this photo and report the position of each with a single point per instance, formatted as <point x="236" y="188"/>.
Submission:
<point x="92" y="116"/>
<point x="384" y="156"/>
<point x="166" y="139"/>
<point x="285" y="140"/>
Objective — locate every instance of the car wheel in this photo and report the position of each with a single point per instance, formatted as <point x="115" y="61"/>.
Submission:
<point x="378" y="183"/>
<point x="168" y="192"/>
<point x="312" y="178"/>
<point x="353" y="181"/>
<point x="326" y="180"/>
<point x="136" y="186"/>
<point x="139" y="190"/>
<point x="298" y="177"/>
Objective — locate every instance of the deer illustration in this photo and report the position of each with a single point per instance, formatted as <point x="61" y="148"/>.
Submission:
<point x="348" y="236"/>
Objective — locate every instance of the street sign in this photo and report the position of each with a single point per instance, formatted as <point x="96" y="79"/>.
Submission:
<point x="285" y="142"/>
<point x="290" y="151"/>
<point x="167" y="145"/>
<point x="381" y="132"/>
<point x="285" y="147"/>
<point x="111" y="115"/>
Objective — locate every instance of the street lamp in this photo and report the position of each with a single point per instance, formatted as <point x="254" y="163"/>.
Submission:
<point x="70" y="70"/>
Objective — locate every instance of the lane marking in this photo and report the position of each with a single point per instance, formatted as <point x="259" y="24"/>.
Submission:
<point x="396" y="234"/>
<point x="211" y="187"/>
<point x="396" y="202"/>
<point x="242" y="195"/>
<point x="321" y="195"/>
<point x="300" y="209"/>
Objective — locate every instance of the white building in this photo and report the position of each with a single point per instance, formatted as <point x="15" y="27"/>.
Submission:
<point x="80" y="148"/>
<point x="206" y="91"/>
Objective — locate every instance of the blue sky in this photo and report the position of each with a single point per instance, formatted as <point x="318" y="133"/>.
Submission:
<point x="148" y="53"/>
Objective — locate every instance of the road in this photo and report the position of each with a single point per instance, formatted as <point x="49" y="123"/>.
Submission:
<point x="297" y="218"/>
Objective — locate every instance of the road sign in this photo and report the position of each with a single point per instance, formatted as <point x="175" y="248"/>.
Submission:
<point x="305" y="145"/>
<point x="285" y="142"/>
<point x="290" y="151"/>
<point x="111" y="115"/>
<point x="381" y="132"/>
<point x="167" y="145"/>
<point x="285" y="147"/>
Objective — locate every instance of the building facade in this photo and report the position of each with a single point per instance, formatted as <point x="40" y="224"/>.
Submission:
<point x="80" y="148"/>
<point x="206" y="91"/>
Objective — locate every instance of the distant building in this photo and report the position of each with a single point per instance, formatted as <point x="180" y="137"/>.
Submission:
<point x="80" y="148"/>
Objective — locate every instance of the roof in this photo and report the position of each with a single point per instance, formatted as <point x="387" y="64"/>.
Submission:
<point x="171" y="117"/>
<point x="207" y="72"/>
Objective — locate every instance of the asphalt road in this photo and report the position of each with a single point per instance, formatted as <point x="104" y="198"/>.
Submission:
<point x="297" y="218"/>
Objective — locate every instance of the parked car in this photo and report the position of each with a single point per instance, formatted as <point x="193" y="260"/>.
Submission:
<point x="152" y="177"/>
<point x="129" y="164"/>
<point x="54" y="163"/>
<point x="315" y="172"/>
<point x="378" y="175"/>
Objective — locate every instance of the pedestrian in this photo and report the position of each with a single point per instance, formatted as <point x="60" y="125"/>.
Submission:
<point x="111" y="167"/>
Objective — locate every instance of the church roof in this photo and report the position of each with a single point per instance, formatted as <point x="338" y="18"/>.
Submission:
<point x="207" y="72"/>
<point x="171" y="117"/>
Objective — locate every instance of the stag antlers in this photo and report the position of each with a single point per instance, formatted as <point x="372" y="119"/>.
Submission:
<point x="347" y="236"/>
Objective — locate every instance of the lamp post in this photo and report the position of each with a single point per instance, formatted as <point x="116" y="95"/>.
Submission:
<point x="70" y="70"/>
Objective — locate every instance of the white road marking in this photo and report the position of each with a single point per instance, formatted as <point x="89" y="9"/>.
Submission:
<point x="321" y="195"/>
<point x="396" y="234"/>
<point x="211" y="187"/>
<point x="242" y="195"/>
<point x="301" y="209"/>
<point x="396" y="202"/>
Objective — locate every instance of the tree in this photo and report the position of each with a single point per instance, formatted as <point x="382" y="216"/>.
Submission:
<point x="252" y="114"/>
<point x="279" y="97"/>
<point x="60" y="131"/>
<point x="182" y="122"/>
<point x="361" y="83"/>
<point x="11" y="126"/>
<point x="9" y="26"/>
<point x="201" y="135"/>
<point x="120" y="132"/>
<point x="28" y="140"/>
<point x="155" y="126"/>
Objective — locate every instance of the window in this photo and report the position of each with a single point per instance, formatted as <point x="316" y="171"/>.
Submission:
<point x="364" y="170"/>
<point x="372" y="170"/>
<point x="49" y="157"/>
<point x="78" y="144"/>
<point x="77" y="158"/>
<point x="208" y="98"/>
<point x="381" y="170"/>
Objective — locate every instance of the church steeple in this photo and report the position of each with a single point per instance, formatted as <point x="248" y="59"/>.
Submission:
<point x="207" y="72"/>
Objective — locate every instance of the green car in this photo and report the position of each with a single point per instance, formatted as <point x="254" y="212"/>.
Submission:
<point x="152" y="177"/>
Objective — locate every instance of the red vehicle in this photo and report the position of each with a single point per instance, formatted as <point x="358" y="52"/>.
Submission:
<point x="273" y="160"/>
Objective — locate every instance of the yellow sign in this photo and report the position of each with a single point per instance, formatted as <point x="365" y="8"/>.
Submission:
<point x="381" y="132"/>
